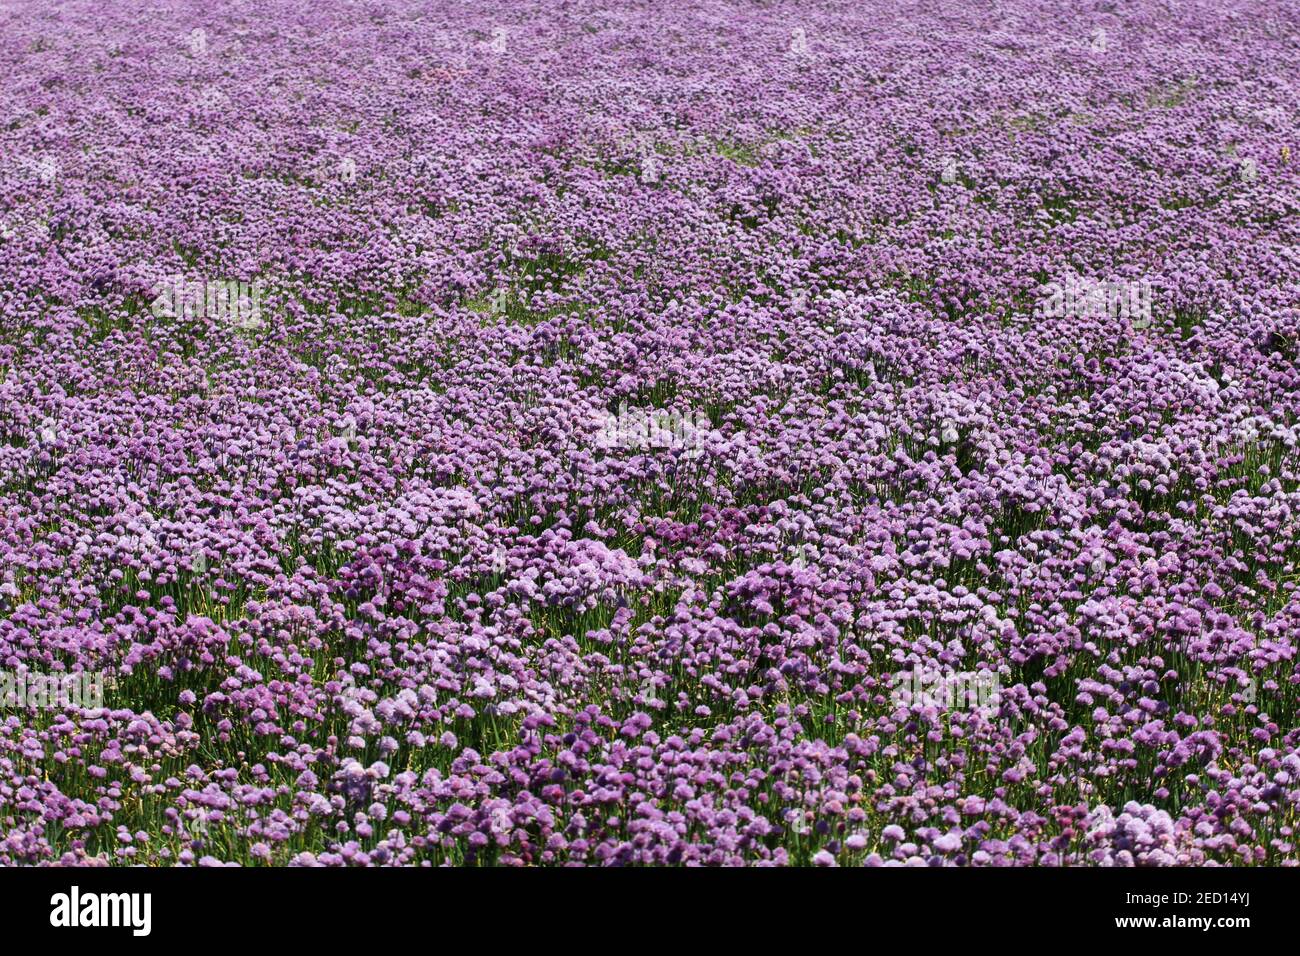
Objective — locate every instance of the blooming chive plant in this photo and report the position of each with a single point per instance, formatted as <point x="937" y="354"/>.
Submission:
<point x="623" y="433"/>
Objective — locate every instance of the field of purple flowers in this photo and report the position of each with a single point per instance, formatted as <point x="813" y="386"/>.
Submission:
<point x="543" y="432"/>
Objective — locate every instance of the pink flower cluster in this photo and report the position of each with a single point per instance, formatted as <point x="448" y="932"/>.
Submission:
<point x="372" y="584"/>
